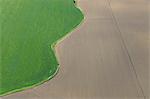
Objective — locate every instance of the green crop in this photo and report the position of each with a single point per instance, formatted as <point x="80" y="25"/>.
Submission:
<point x="29" y="29"/>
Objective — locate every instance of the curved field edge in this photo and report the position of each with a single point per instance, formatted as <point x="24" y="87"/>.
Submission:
<point x="54" y="72"/>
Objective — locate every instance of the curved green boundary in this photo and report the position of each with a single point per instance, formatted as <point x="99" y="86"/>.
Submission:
<point x="57" y="67"/>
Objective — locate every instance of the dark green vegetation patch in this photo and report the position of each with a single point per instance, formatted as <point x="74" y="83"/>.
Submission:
<point x="28" y="30"/>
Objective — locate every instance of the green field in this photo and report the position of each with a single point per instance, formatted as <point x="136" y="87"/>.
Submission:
<point x="29" y="30"/>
